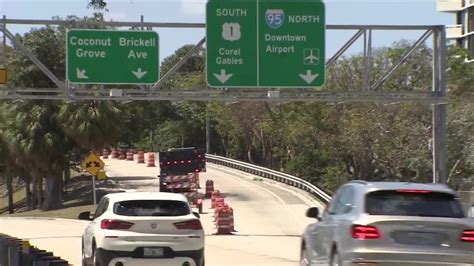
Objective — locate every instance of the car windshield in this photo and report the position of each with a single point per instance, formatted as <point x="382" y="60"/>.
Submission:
<point x="425" y="203"/>
<point x="151" y="208"/>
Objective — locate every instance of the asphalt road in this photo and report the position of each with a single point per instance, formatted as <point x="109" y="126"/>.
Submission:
<point x="269" y="218"/>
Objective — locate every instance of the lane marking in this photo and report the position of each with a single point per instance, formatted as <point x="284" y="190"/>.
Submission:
<point x="233" y="175"/>
<point x="286" y="206"/>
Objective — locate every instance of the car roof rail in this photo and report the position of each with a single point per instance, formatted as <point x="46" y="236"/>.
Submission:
<point x="362" y="182"/>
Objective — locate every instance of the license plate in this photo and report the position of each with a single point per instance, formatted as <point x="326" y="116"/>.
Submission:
<point x="420" y="238"/>
<point x="153" y="252"/>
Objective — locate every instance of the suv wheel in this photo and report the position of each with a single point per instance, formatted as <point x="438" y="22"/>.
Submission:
<point x="95" y="262"/>
<point x="84" y="259"/>
<point x="304" y="259"/>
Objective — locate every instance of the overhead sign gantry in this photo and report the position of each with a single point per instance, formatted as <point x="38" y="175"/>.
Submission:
<point x="265" y="43"/>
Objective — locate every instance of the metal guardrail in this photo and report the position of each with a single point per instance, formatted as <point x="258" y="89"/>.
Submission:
<point x="16" y="252"/>
<point x="271" y="174"/>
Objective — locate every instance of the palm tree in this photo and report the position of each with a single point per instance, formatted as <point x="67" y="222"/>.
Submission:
<point x="36" y="139"/>
<point x="5" y="170"/>
<point x="91" y="125"/>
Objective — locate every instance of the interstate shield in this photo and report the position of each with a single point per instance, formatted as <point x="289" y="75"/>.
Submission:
<point x="275" y="18"/>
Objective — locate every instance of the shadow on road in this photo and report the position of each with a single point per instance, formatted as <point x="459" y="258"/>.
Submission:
<point x="132" y="178"/>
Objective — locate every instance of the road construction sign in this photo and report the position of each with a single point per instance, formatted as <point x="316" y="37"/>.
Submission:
<point x="3" y="76"/>
<point x="101" y="175"/>
<point x="92" y="164"/>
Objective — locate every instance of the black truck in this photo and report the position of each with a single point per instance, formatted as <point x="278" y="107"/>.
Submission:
<point x="180" y="162"/>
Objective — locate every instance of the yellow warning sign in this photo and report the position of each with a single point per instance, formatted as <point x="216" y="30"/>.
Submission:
<point x="92" y="164"/>
<point x="101" y="175"/>
<point x="3" y="76"/>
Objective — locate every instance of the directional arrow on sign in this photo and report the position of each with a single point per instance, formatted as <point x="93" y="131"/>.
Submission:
<point x="139" y="74"/>
<point x="223" y="77"/>
<point x="81" y="74"/>
<point x="309" y="77"/>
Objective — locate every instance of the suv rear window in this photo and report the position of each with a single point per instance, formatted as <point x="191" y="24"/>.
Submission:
<point x="427" y="203"/>
<point x="151" y="208"/>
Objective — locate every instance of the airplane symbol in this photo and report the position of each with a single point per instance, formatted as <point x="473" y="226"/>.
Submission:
<point x="311" y="59"/>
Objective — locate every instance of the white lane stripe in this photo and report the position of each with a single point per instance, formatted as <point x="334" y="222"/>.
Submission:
<point x="233" y="175"/>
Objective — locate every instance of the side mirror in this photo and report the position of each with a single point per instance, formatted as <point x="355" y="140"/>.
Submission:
<point x="313" y="212"/>
<point x="197" y="214"/>
<point x="85" y="216"/>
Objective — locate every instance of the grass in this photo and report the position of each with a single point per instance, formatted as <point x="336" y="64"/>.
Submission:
<point x="66" y="213"/>
<point x="18" y="198"/>
<point x="77" y="199"/>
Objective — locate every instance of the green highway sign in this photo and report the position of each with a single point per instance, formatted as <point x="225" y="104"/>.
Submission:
<point x="112" y="57"/>
<point x="265" y="43"/>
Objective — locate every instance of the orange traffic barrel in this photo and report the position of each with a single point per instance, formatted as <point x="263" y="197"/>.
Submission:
<point x="151" y="159"/>
<point x="209" y="188"/>
<point x="141" y="157"/>
<point x="105" y="154"/>
<point x="129" y="155"/>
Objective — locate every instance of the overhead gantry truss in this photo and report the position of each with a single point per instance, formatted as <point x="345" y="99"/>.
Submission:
<point x="434" y="95"/>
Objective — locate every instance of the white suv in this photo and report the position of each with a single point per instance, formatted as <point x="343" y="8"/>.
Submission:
<point x="143" y="228"/>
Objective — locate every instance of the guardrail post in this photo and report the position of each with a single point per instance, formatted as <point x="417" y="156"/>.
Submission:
<point x="3" y="257"/>
<point x="14" y="255"/>
<point x="40" y="263"/>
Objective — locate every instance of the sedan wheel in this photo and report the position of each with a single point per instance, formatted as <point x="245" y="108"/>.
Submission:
<point x="304" y="260"/>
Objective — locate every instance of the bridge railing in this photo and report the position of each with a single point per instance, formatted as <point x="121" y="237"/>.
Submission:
<point x="271" y="174"/>
<point x="16" y="252"/>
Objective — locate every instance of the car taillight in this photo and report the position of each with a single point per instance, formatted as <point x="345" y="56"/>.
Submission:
<point x="115" y="225"/>
<point x="419" y="191"/>
<point x="468" y="236"/>
<point x="190" y="225"/>
<point x="365" y="232"/>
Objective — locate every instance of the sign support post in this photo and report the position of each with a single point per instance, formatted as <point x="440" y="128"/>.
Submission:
<point x="93" y="164"/>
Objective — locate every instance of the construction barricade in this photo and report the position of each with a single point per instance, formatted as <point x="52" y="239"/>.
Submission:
<point x="151" y="160"/>
<point x="141" y="157"/>
<point x="105" y="153"/>
<point x="214" y="195"/>
<point x="129" y="155"/>
<point x="196" y="179"/>
<point x="209" y="188"/>
<point x="223" y="221"/>
<point x="186" y="185"/>
<point x="115" y="153"/>
<point x="121" y="154"/>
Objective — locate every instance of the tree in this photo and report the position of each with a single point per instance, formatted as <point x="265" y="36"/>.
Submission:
<point x="92" y="125"/>
<point x="35" y="137"/>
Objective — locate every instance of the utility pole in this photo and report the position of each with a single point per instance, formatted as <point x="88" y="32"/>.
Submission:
<point x="208" y="132"/>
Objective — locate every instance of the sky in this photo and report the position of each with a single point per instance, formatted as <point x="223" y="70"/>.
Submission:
<point x="362" y="12"/>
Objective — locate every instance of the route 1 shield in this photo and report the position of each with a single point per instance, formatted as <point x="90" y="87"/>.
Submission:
<point x="231" y="31"/>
